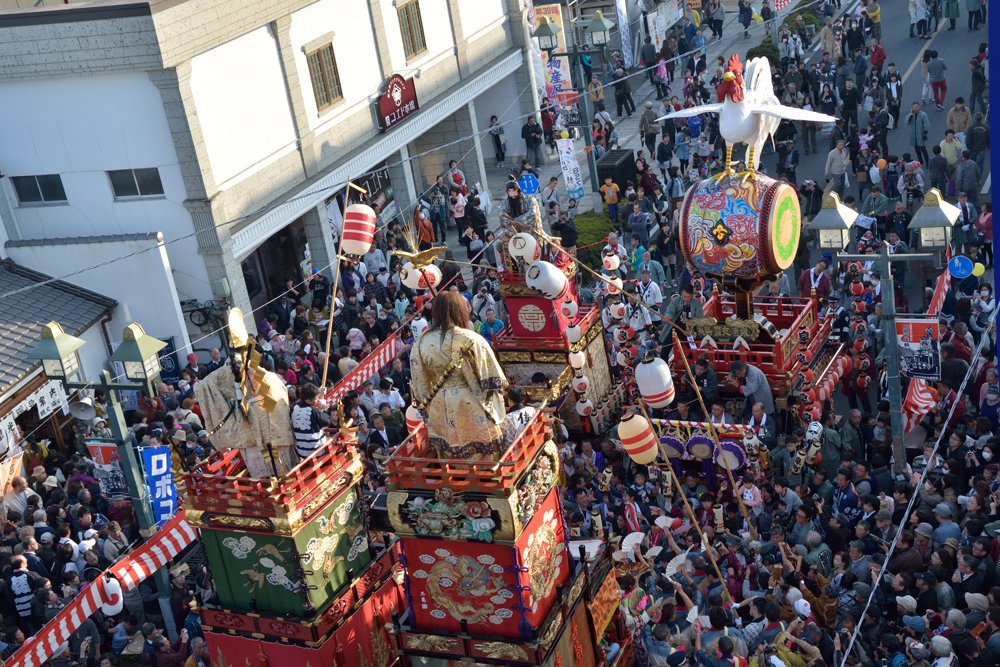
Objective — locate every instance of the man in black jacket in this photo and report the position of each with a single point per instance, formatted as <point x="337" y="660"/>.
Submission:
<point x="566" y="229"/>
<point x="788" y="159"/>
<point x="382" y="435"/>
<point x="476" y="218"/>
<point x="531" y="132"/>
<point x="850" y="96"/>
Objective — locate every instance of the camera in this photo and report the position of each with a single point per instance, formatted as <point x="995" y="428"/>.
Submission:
<point x="770" y="649"/>
<point x="816" y="498"/>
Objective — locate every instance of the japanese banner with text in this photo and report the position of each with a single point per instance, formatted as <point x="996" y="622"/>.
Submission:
<point x="160" y="480"/>
<point x="570" y="168"/>
<point x="558" y="82"/>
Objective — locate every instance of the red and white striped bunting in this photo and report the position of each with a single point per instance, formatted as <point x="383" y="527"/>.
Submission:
<point x="380" y="357"/>
<point x="155" y="553"/>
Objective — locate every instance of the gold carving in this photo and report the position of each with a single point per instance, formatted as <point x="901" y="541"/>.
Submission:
<point x="728" y="330"/>
<point x="395" y="501"/>
<point x="430" y="643"/>
<point x="510" y="525"/>
<point x="788" y="346"/>
<point x="577" y="588"/>
<point x="550" y="634"/>
<point x="241" y="522"/>
<point x="807" y="318"/>
<point x="502" y="650"/>
<point x="550" y="357"/>
<point x="543" y="560"/>
<point x="513" y="357"/>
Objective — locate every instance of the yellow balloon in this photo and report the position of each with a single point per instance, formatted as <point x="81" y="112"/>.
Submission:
<point x="978" y="269"/>
<point x="564" y="135"/>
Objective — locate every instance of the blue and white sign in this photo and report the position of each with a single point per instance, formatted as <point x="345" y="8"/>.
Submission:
<point x="960" y="267"/>
<point x="160" y="481"/>
<point x="570" y="168"/>
<point x="528" y="183"/>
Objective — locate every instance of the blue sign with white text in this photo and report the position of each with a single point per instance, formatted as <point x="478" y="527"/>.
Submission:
<point x="160" y="481"/>
<point x="528" y="183"/>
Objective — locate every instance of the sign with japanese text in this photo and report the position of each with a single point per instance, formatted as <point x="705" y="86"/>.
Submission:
<point x="670" y="12"/>
<point x="160" y="481"/>
<point x="108" y="470"/>
<point x="570" y="168"/>
<point x="919" y="353"/>
<point x="398" y="102"/>
<point x="558" y="81"/>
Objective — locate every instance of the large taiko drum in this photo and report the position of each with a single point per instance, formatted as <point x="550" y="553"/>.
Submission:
<point x="745" y="230"/>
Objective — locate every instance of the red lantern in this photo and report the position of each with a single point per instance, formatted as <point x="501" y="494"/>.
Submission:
<point x="848" y="365"/>
<point x="822" y="392"/>
<point x="863" y="382"/>
<point x="810" y="395"/>
<point x="809" y="375"/>
<point x="857" y="288"/>
<point x="860" y="345"/>
<point x="637" y="435"/>
<point x="359" y="229"/>
<point x="813" y="413"/>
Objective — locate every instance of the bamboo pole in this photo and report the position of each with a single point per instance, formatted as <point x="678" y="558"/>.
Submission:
<point x="329" y="322"/>
<point x="694" y="519"/>
<point x="715" y="436"/>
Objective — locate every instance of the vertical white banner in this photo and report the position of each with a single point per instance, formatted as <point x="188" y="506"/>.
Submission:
<point x="572" y="176"/>
<point x="624" y="32"/>
<point x="558" y="82"/>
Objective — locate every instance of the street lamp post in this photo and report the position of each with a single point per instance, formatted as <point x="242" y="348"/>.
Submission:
<point x="599" y="31"/>
<point x="884" y="259"/>
<point x="57" y="351"/>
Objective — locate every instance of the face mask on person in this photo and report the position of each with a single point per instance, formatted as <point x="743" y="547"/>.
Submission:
<point x="987" y="455"/>
<point x="876" y="282"/>
<point x="985" y="294"/>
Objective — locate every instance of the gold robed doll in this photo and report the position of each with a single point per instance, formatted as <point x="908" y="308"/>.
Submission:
<point x="457" y="385"/>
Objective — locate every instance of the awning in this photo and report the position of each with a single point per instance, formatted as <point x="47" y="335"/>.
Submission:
<point x="130" y="571"/>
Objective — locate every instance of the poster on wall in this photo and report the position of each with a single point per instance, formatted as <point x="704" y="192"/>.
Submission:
<point x="108" y="470"/>
<point x="572" y="176"/>
<point x="919" y="355"/>
<point x="669" y="13"/>
<point x="558" y="81"/>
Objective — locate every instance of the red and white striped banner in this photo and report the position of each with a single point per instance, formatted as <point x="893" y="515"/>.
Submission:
<point x="781" y="4"/>
<point x="919" y="399"/>
<point x="154" y="554"/>
<point x="380" y="357"/>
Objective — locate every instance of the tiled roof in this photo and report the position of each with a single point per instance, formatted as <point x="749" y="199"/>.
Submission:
<point x="24" y="314"/>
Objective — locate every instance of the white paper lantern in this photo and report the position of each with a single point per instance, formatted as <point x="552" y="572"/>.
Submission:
<point x="611" y="262"/>
<point x="577" y="359"/>
<point x="580" y="384"/>
<point x="359" y="229"/>
<point x="112" y="599"/>
<point x="574" y="333"/>
<point x="524" y="247"/>
<point x="617" y="310"/>
<point x="584" y="408"/>
<point x="614" y="285"/>
<point x="545" y="279"/>
<point x="414" y="279"/>
<point x="656" y="385"/>
<point x="569" y="308"/>
<point x="622" y="358"/>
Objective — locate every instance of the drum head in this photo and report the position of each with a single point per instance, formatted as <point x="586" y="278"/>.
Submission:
<point x="733" y="452"/>
<point x="673" y="446"/>
<point x="700" y="446"/>
<point x="783" y="223"/>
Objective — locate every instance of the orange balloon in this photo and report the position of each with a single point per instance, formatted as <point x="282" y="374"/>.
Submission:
<point x="881" y="164"/>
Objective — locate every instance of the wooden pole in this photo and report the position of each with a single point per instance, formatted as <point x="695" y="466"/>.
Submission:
<point x="329" y="323"/>
<point x="694" y="519"/>
<point x="715" y="436"/>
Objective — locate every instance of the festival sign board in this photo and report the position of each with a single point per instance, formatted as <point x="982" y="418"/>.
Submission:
<point x="919" y="354"/>
<point x="397" y="103"/>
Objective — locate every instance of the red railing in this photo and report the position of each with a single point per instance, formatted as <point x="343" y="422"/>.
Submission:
<point x="507" y="341"/>
<point x="414" y="466"/>
<point x="218" y="485"/>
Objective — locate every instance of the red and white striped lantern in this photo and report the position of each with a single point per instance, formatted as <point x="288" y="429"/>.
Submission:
<point x="656" y="384"/>
<point x="822" y="393"/>
<point x="545" y="279"/>
<point x="637" y="435"/>
<point x="847" y="365"/>
<point x="359" y="229"/>
<point x="413" y="419"/>
<point x="580" y="384"/>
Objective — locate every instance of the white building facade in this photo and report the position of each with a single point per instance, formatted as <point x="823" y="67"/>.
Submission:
<point x="204" y="140"/>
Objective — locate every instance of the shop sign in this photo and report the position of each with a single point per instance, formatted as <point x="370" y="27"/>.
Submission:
<point x="378" y="187"/>
<point x="398" y="102"/>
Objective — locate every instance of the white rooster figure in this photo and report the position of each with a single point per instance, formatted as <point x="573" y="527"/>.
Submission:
<point x="748" y="114"/>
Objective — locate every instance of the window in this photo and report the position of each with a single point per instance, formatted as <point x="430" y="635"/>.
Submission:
<point x="39" y="189"/>
<point x="323" y="71"/>
<point x="136" y="183"/>
<point x="412" y="28"/>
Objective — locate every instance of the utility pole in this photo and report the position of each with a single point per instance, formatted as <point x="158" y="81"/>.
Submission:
<point x="136" y="484"/>
<point x="891" y="343"/>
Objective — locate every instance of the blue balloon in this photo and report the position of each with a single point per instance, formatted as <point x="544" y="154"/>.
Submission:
<point x="960" y="266"/>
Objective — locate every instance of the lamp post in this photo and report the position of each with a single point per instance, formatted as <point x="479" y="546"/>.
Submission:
<point x="935" y="220"/>
<point x="548" y="40"/>
<point x="884" y="259"/>
<point x="57" y="351"/>
<point x="833" y="224"/>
